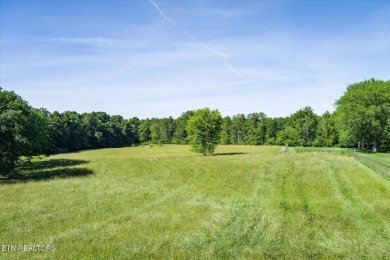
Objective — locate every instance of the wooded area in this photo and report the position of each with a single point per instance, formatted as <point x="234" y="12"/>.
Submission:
<point x="362" y="117"/>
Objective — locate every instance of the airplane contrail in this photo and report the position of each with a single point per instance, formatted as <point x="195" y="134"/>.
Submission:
<point x="223" y="56"/>
<point x="171" y="21"/>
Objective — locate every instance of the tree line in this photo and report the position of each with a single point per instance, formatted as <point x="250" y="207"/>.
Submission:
<point x="362" y="118"/>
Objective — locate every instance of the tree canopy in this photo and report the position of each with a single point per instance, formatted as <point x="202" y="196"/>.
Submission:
<point x="363" y="114"/>
<point x="23" y="130"/>
<point x="204" y="130"/>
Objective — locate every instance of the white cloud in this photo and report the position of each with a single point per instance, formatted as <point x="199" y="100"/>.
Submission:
<point x="97" y="42"/>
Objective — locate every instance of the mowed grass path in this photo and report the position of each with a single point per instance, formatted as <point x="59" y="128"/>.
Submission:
<point x="168" y="203"/>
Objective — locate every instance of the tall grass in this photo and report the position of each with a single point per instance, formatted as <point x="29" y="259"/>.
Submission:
<point x="165" y="202"/>
<point x="381" y="158"/>
<point x="342" y="151"/>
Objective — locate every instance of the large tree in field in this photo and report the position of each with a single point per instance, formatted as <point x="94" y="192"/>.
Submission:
<point x="23" y="131"/>
<point x="204" y="130"/>
<point x="363" y="114"/>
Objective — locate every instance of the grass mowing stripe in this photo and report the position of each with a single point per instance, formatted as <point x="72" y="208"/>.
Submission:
<point x="358" y="215"/>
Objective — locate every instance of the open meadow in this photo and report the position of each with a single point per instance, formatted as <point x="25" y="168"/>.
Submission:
<point x="166" y="202"/>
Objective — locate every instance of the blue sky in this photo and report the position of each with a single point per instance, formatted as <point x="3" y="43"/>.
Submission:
<point x="161" y="58"/>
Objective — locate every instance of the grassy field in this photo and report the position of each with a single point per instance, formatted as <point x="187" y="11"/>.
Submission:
<point x="167" y="203"/>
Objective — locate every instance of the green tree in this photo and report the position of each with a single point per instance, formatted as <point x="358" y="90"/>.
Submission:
<point x="239" y="130"/>
<point x="226" y="134"/>
<point x="257" y="128"/>
<point x="116" y="131"/>
<point x="39" y="132"/>
<point x="274" y="125"/>
<point x="155" y="130"/>
<point x="288" y="136"/>
<point x="134" y="123"/>
<point x="144" y="131"/>
<point x="91" y="125"/>
<point x="204" y="130"/>
<point x="181" y="135"/>
<point x="128" y="133"/>
<point x="363" y="114"/>
<point x="327" y="134"/>
<point x="22" y="131"/>
<point x="162" y="130"/>
<point x="305" y="122"/>
<point x="67" y="131"/>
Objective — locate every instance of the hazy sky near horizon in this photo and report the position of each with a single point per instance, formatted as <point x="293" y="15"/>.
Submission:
<point x="161" y="58"/>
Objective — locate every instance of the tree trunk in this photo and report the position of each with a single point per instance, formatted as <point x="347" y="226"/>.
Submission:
<point x="374" y="147"/>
